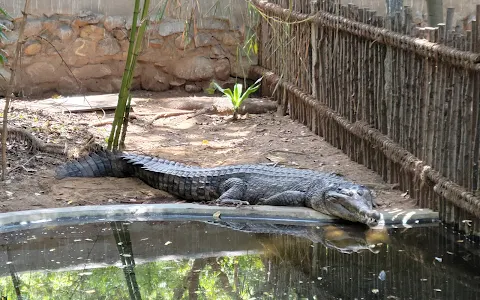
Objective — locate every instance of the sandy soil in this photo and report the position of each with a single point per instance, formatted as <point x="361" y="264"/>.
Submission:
<point x="204" y="140"/>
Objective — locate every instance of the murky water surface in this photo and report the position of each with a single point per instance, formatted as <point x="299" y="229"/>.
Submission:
<point x="198" y="260"/>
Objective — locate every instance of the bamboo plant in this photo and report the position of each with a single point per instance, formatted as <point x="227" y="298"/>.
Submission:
<point x="116" y="139"/>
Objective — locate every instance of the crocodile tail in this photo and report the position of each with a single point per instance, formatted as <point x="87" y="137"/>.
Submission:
<point x="96" y="164"/>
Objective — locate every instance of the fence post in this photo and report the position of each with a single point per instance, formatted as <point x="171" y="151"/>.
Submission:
<point x="262" y="56"/>
<point x="393" y="6"/>
<point x="449" y="21"/>
<point x="314" y="47"/>
<point x="476" y="100"/>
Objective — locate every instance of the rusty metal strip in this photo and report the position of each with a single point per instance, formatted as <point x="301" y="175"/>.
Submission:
<point x="384" y="36"/>
<point x="449" y="190"/>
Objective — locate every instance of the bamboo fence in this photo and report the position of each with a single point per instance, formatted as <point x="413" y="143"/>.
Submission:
<point x="402" y="100"/>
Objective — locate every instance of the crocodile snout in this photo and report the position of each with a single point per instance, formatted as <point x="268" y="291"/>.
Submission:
<point x="372" y="217"/>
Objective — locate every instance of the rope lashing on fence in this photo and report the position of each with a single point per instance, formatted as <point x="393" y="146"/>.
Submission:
<point x="379" y="35"/>
<point x="449" y="190"/>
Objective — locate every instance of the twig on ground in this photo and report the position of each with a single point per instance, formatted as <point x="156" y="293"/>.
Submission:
<point x="203" y="111"/>
<point x="36" y="144"/>
<point x="169" y="114"/>
<point x="285" y="151"/>
<point x="22" y="165"/>
<point x="108" y="121"/>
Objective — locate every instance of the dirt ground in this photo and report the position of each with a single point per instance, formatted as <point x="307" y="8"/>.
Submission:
<point x="203" y="140"/>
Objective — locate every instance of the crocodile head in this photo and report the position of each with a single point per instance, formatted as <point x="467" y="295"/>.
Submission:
<point x="347" y="201"/>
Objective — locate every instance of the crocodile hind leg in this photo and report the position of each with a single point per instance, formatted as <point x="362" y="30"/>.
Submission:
<point x="232" y="191"/>
<point x="287" y="198"/>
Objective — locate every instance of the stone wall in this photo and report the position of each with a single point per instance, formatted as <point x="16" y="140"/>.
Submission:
<point x="68" y="54"/>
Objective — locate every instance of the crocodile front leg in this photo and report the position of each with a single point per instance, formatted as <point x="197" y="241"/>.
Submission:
<point x="287" y="198"/>
<point x="232" y="191"/>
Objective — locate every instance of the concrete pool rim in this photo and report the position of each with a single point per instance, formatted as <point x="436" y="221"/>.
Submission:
<point x="20" y="220"/>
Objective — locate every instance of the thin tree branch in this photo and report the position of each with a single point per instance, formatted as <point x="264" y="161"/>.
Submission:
<point x="11" y="85"/>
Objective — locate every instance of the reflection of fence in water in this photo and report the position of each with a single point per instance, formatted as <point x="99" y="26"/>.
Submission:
<point x="409" y="261"/>
<point x="397" y="98"/>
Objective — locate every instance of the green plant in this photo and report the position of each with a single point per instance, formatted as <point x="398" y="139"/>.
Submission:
<point x="237" y="97"/>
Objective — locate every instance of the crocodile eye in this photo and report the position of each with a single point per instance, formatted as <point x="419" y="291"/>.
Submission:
<point x="360" y="192"/>
<point x="339" y="190"/>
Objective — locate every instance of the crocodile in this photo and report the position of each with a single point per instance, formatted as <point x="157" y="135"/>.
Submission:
<point x="344" y="239"/>
<point x="253" y="184"/>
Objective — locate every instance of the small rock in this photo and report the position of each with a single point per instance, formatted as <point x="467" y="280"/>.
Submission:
<point x="103" y="85"/>
<point x="184" y="43"/>
<point x="92" y="71"/>
<point x="129" y="21"/>
<point x="12" y="38"/>
<point x="119" y="34"/>
<point x="222" y="69"/>
<point x="33" y="28"/>
<point x="217" y="52"/>
<point x="65" y="32"/>
<point x="113" y="22"/>
<point x="124" y="44"/>
<point x="84" y="47"/>
<point x="42" y="72"/>
<point x="192" y="88"/>
<point x="32" y="47"/>
<point x="177" y="82"/>
<point x="195" y="68"/>
<point x="156" y="43"/>
<point x="203" y="39"/>
<point x="231" y="38"/>
<point x="74" y="60"/>
<point x="118" y="67"/>
<point x="169" y="27"/>
<point x="8" y="24"/>
<point x="153" y="79"/>
<point x="108" y="46"/>
<point x="213" y="24"/>
<point x="50" y="25"/>
<point x="92" y="32"/>
<point x="67" y="85"/>
<point x="65" y="19"/>
<point x="87" y="18"/>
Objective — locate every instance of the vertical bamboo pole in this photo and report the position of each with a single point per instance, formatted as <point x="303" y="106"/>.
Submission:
<point x="469" y="136"/>
<point x="476" y="101"/>
<point x="461" y="139"/>
<point x="454" y="143"/>
<point x="313" y="43"/>
<point x="447" y="122"/>
<point x="370" y="79"/>
<point x="407" y="98"/>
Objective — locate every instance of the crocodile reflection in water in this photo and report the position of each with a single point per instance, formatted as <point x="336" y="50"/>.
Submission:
<point x="344" y="239"/>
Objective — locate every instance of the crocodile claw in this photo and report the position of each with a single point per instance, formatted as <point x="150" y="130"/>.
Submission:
<point x="232" y="201"/>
